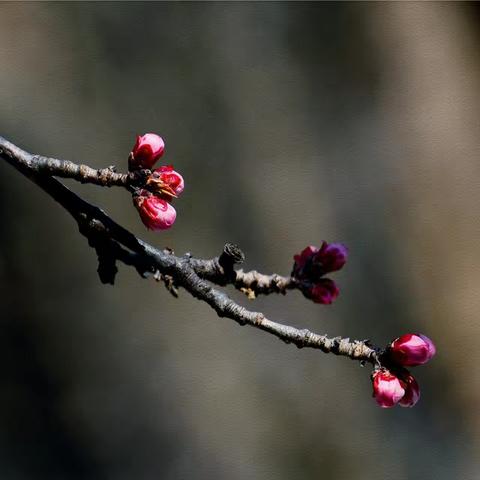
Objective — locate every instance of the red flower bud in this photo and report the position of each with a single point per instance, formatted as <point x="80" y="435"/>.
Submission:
<point x="412" y="391"/>
<point x="302" y="258"/>
<point x="387" y="388"/>
<point x="170" y="178"/>
<point x="331" y="257"/>
<point x="156" y="213"/>
<point x="412" y="349"/>
<point x="146" y="151"/>
<point x="312" y="263"/>
<point x="325" y="291"/>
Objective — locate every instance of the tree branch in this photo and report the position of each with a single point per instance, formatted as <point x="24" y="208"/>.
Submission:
<point x="113" y="243"/>
<point x="105" y="177"/>
<point x="220" y="270"/>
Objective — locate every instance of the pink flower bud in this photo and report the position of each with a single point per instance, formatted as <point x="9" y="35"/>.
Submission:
<point x="331" y="257"/>
<point x="412" y="391"/>
<point x="170" y="178"/>
<point x="156" y="213"/>
<point x="325" y="291"/>
<point x="146" y="151"/>
<point x="412" y="349"/>
<point x="387" y="388"/>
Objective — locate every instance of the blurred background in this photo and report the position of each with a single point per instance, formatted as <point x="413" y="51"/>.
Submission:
<point x="291" y="123"/>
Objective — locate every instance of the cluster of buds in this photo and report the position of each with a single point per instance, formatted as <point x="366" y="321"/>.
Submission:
<point x="163" y="184"/>
<point x="397" y="385"/>
<point x="312" y="264"/>
<point x="392" y="383"/>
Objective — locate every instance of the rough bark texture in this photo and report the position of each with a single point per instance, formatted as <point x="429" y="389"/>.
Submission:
<point x="113" y="243"/>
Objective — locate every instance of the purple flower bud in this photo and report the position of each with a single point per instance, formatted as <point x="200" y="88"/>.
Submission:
<point x="325" y="291"/>
<point x="302" y="259"/>
<point x="331" y="257"/>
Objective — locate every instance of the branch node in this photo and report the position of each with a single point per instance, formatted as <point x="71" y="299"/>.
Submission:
<point x="231" y="255"/>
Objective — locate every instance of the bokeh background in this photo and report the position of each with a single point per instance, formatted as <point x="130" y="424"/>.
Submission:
<point x="291" y="123"/>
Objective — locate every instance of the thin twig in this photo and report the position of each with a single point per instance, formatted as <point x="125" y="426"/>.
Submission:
<point x="113" y="243"/>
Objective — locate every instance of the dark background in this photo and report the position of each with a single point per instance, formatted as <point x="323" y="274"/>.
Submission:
<point x="291" y="123"/>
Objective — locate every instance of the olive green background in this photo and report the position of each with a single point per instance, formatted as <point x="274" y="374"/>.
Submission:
<point x="291" y="123"/>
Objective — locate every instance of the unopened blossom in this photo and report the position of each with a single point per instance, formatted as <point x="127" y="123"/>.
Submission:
<point x="331" y="257"/>
<point x="387" y="388"/>
<point x="156" y="213"/>
<point x="147" y="150"/>
<point x="313" y="262"/>
<point x="412" y="391"/>
<point x="412" y="349"/>
<point x="167" y="181"/>
<point x="325" y="291"/>
<point x="302" y="259"/>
